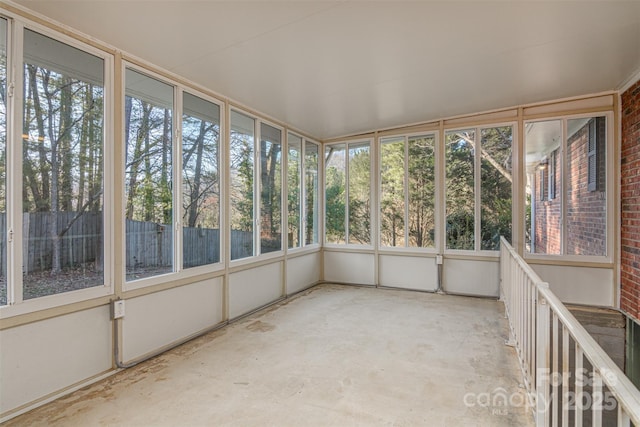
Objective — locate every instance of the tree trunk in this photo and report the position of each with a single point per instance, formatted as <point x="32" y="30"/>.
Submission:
<point x="196" y="193"/>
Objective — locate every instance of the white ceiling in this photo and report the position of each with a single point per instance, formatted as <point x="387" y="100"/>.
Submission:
<point x="334" y="68"/>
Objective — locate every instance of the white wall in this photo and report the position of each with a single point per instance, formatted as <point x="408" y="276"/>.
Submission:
<point x="408" y="272"/>
<point x="579" y="285"/>
<point x="44" y="357"/>
<point x="349" y="267"/>
<point x="471" y="277"/>
<point x="303" y="271"/>
<point x="253" y="288"/>
<point x="156" y="320"/>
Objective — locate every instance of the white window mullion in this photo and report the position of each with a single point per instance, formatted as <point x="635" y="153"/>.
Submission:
<point x="284" y="193"/>
<point x="108" y="167"/>
<point x="564" y="180"/>
<point x="346" y="194"/>
<point x="256" y="187"/>
<point x="477" y="175"/>
<point x="176" y="172"/>
<point x="302" y="194"/>
<point x="406" y="192"/>
<point x="15" y="32"/>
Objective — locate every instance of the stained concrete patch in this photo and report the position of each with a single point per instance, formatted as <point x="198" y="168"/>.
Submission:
<point x="259" y="326"/>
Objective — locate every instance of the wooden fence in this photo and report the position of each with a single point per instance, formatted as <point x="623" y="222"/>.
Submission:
<point x="148" y="244"/>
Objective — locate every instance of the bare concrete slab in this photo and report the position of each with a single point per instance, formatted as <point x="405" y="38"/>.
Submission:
<point x="334" y="355"/>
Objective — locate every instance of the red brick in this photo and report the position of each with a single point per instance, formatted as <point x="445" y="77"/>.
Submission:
<point x="630" y="202"/>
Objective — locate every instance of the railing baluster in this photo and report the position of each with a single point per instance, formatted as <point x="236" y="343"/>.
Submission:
<point x="596" y="400"/>
<point x="554" y="371"/>
<point x="579" y="377"/>
<point x="565" y="376"/>
<point x="623" y="418"/>
<point x="542" y="363"/>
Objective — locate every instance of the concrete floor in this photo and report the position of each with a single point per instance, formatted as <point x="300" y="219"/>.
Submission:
<point x="334" y="355"/>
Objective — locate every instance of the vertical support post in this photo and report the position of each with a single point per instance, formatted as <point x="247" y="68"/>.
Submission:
<point x="596" y="400"/>
<point x="579" y="379"/>
<point x="623" y="418"/>
<point x="542" y="362"/>
<point x="554" y="372"/>
<point x="565" y="376"/>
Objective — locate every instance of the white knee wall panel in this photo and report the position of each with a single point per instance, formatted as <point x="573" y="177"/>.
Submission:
<point x="157" y="320"/>
<point x="349" y="267"/>
<point x="471" y="277"/>
<point x="44" y="357"/>
<point x="302" y="272"/>
<point x="408" y="272"/>
<point x="253" y="288"/>
<point x="579" y="285"/>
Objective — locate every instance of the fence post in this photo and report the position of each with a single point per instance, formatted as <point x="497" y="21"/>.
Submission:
<point x="542" y="359"/>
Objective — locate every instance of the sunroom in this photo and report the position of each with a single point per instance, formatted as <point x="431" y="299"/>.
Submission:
<point x="343" y="212"/>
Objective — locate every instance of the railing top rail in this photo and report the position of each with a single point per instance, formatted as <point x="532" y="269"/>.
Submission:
<point x="625" y="392"/>
<point x="521" y="263"/>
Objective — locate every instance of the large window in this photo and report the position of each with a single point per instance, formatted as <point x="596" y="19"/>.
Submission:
<point x="392" y="192"/>
<point x="478" y="187"/>
<point x="270" y="189"/>
<point x="256" y="189"/>
<point x="335" y="193"/>
<point x="460" y="200"/>
<point x="566" y="212"/>
<point x="200" y="182"/>
<point x="3" y="161"/>
<point x="303" y="192"/>
<point x="241" y="165"/>
<point x="62" y="168"/>
<point x="148" y="176"/>
<point x="496" y="186"/>
<point x="407" y="184"/>
<point x="294" y="185"/>
<point x="348" y="193"/>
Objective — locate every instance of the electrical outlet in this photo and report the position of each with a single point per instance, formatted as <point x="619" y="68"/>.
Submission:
<point x="118" y="309"/>
<point x="439" y="259"/>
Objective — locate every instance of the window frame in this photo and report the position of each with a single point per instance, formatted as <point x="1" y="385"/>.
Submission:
<point x="609" y="188"/>
<point x="477" y="188"/>
<point x="406" y="137"/>
<point x="16" y="305"/>
<point x="176" y="204"/>
<point x="318" y="194"/>
<point x="178" y="189"/>
<point x="257" y="255"/>
<point x="257" y="174"/>
<point x="303" y="246"/>
<point x="373" y="202"/>
<point x="179" y="272"/>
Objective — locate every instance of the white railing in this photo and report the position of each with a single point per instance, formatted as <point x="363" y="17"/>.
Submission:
<point x="570" y="380"/>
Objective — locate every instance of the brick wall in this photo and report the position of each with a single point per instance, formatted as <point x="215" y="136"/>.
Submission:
<point x="630" y="200"/>
<point x="586" y="210"/>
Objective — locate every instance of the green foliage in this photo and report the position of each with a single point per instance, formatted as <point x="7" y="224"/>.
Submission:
<point x="335" y="205"/>
<point x="496" y="192"/>
<point x="422" y="191"/>
<point x="460" y="191"/>
<point x="360" y="194"/>
<point x="392" y="230"/>
<point x="243" y="205"/>
<point x="293" y="195"/>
